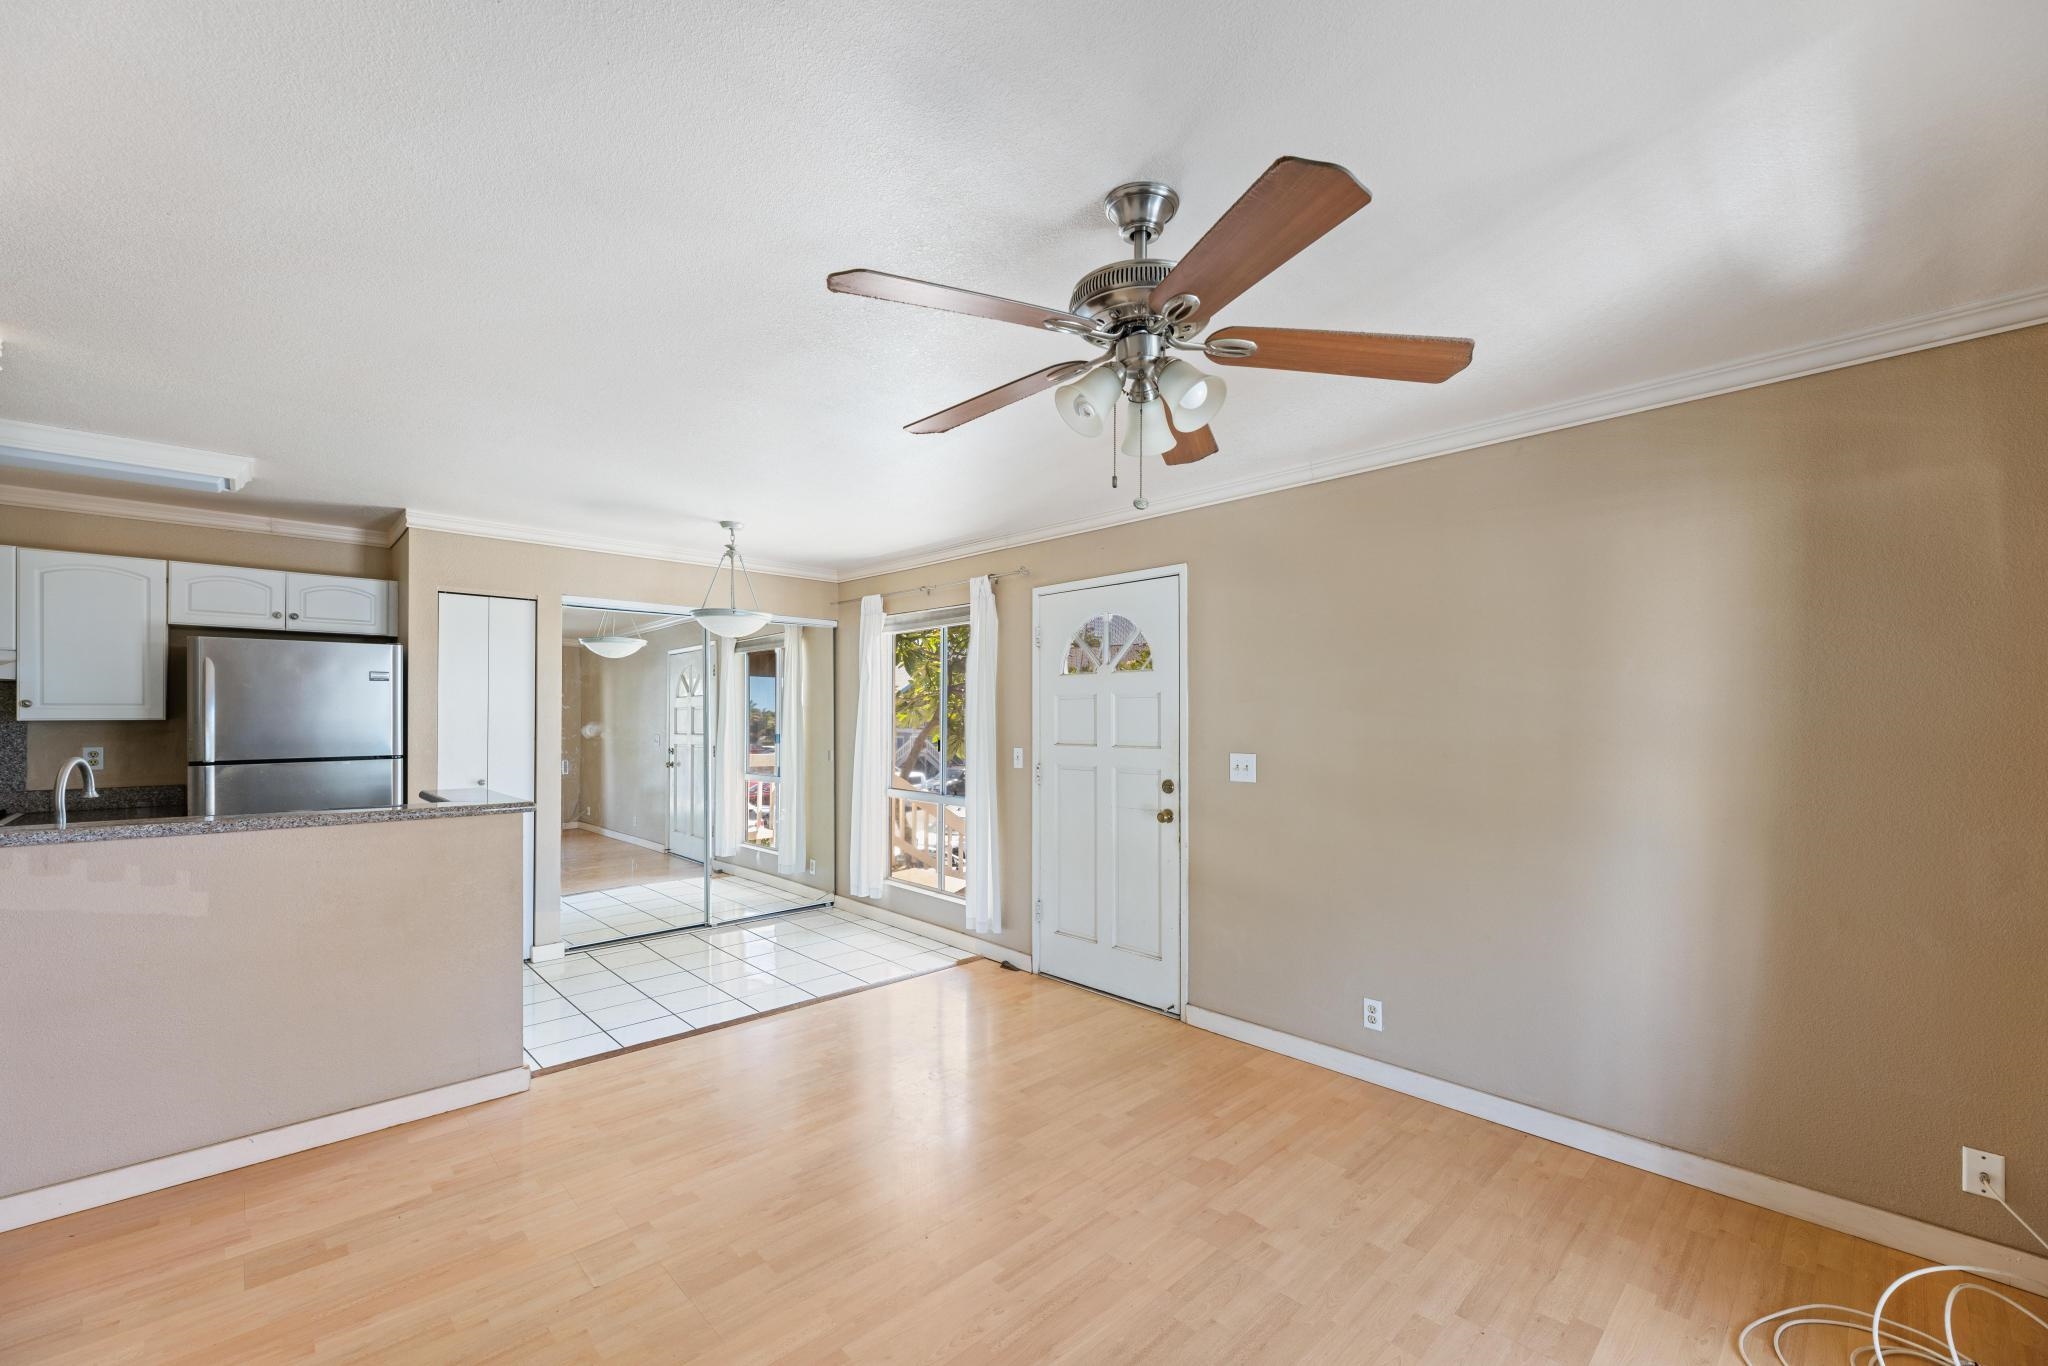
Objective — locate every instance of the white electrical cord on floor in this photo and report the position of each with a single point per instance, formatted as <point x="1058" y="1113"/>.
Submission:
<point x="1890" y="1340"/>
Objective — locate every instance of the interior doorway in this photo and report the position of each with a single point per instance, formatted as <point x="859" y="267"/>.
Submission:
<point x="1109" y="873"/>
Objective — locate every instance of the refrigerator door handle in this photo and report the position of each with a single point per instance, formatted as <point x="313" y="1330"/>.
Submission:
<point x="206" y="711"/>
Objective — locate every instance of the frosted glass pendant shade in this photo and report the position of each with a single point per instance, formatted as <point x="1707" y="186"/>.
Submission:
<point x="1085" y="403"/>
<point x="1148" y="432"/>
<point x="611" y="647"/>
<point x="730" y="622"/>
<point x="1193" y="396"/>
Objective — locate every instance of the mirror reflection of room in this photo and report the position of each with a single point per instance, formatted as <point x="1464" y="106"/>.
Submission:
<point x="660" y="831"/>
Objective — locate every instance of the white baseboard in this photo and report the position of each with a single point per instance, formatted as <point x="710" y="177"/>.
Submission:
<point x="987" y="948"/>
<point x="1931" y="1241"/>
<point x="616" y="835"/>
<point x="104" y="1188"/>
<point x="543" y="952"/>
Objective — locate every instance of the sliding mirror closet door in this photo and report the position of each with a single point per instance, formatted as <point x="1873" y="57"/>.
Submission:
<point x="771" y="788"/>
<point x="635" y="750"/>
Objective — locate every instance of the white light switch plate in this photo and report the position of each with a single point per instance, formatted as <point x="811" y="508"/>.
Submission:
<point x="1017" y="757"/>
<point x="1244" y="768"/>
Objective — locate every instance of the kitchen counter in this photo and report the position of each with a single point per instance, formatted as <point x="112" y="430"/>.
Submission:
<point x="102" y="825"/>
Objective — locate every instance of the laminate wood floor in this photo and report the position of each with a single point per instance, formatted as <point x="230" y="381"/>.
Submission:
<point x="592" y="863"/>
<point x="971" y="1166"/>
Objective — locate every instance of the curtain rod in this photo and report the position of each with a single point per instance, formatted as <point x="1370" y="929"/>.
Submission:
<point x="929" y="588"/>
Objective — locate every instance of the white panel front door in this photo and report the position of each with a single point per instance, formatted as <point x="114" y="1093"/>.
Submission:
<point x="686" y="752"/>
<point x="1108" y="738"/>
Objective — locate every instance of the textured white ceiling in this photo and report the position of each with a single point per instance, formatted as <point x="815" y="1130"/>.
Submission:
<point x="562" y="266"/>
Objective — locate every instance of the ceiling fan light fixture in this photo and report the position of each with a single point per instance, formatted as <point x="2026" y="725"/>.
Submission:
<point x="1085" y="404"/>
<point x="1194" y="397"/>
<point x="1148" y="432"/>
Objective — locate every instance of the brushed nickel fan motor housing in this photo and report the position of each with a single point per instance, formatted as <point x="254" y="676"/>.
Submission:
<point x="1119" y="291"/>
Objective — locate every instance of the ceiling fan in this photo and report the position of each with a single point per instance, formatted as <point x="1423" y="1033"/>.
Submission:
<point x="1141" y="311"/>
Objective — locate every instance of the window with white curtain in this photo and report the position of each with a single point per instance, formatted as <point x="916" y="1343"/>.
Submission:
<point x="927" y="790"/>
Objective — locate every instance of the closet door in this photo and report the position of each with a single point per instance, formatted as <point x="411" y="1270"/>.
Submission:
<point x="465" y="692"/>
<point x="509" y="698"/>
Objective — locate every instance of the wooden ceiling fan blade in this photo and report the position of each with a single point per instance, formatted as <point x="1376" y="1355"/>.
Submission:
<point x="901" y="289"/>
<point x="1189" y="446"/>
<point x="1002" y="396"/>
<point x="1366" y="355"/>
<point x="1295" y="202"/>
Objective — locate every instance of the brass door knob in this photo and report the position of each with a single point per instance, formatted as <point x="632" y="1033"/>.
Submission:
<point x="1165" y="816"/>
<point x="1166" y="786"/>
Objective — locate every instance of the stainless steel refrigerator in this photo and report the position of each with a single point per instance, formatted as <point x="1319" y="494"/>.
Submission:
<point x="293" y="725"/>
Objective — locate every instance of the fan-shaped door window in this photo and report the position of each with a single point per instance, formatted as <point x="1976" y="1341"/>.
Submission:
<point x="1108" y="644"/>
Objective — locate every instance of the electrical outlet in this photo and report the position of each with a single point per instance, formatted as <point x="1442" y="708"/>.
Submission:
<point x="1983" y="1173"/>
<point x="1374" y="1019"/>
<point x="1244" y="768"/>
<point x="814" y="867"/>
<point x="95" y="757"/>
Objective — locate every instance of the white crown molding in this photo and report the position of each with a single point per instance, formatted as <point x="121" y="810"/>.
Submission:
<point x="413" y="519"/>
<point x="218" y="519"/>
<point x="1947" y="1246"/>
<point x="1963" y="323"/>
<point x="126" y="450"/>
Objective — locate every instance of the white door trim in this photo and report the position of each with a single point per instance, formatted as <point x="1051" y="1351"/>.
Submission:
<point x="1171" y="571"/>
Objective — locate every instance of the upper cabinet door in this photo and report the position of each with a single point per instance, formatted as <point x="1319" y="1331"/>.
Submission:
<point x="341" y="606"/>
<point x="221" y="595"/>
<point x="92" y="637"/>
<point x="6" y="611"/>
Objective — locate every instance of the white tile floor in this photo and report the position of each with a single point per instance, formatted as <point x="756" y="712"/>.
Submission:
<point x="598" y="1000"/>
<point x="651" y="907"/>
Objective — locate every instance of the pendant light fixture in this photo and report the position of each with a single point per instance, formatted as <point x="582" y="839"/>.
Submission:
<point x="732" y="620"/>
<point x="610" y="645"/>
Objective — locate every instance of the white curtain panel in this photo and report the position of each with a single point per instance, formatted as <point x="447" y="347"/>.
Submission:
<point x="789" y="793"/>
<point x="867" y="820"/>
<point x="984" y="861"/>
<point x="732" y="753"/>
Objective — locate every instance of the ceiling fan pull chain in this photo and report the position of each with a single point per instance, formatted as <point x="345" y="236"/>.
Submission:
<point x="1113" y="411"/>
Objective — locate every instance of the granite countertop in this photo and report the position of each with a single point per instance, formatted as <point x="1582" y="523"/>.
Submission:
<point x="87" y="829"/>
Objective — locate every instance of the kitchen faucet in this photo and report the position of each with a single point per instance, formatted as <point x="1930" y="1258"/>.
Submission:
<point x="92" y="789"/>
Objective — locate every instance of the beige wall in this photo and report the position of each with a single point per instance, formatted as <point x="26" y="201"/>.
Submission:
<point x="152" y="753"/>
<point x="435" y="562"/>
<point x="179" y="992"/>
<point x="1680" y="773"/>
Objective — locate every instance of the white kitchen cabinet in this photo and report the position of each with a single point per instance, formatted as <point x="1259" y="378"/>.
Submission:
<point x="92" y="637"/>
<point x="337" y="605"/>
<point x="6" y="611"/>
<point x="223" y="595"/>
<point x="486" y="721"/>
